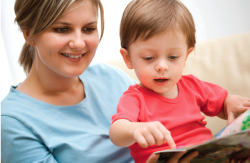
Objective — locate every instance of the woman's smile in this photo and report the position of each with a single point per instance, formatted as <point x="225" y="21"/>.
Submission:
<point x="73" y="57"/>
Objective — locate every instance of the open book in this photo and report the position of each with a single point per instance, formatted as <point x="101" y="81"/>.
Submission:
<point x="232" y="141"/>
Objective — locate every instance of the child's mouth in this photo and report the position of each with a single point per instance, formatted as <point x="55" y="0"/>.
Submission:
<point x="160" y="80"/>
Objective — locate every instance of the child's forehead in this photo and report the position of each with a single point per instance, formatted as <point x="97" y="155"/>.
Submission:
<point x="173" y="32"/>
<point x="169" y="41"/>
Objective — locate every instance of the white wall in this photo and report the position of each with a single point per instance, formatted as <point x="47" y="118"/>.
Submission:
<point x="224" y="17"/>
<point x="213" y="18"/>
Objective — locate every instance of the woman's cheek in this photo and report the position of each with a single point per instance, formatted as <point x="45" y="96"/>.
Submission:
<point x="94" y="43"/>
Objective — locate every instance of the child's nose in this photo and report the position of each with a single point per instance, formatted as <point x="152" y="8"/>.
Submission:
<point x="162" y="66"/>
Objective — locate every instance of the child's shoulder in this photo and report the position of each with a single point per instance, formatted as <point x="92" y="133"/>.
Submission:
<point x="133" y="88"/>
<point x="189" y="78"/>
<point x="190" y="81"/>
<point x="132" y="92"/>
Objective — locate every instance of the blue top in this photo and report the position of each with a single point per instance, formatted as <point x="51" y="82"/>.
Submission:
<point x="38" y="132"/>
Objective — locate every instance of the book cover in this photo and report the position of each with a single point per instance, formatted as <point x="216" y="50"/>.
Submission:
<point x="232" y="141"/>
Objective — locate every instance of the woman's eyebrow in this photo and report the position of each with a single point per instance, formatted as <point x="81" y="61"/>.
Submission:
<point x="66" y="23"/>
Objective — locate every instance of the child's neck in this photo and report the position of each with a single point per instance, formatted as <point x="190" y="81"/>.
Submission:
<point x="170" y="94"/>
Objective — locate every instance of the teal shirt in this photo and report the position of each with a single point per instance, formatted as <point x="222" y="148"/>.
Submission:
<point x="38" y="132"/>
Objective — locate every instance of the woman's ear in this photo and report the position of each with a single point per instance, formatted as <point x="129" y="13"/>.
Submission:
<point x="188" y="52"/>
<point x="126" y="58"/>
<point x="26" y="34"/>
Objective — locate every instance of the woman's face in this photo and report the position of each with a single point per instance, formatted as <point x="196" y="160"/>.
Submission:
<point x="68" y="46"/>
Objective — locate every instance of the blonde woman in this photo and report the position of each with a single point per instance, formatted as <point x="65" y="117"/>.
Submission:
<point x="62" y="111"/>
<point x="58" y="113"/>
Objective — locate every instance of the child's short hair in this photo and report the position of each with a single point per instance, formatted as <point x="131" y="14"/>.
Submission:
<point x="143" y="19"/>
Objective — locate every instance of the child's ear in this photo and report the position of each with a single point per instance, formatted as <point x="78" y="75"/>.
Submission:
<point x="126" y="58"/>
<point x="26" y="34"/>
<point x="188" y="52"/>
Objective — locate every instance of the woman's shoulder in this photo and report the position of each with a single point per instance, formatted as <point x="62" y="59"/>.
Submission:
<point x="14" y="99"/>
<point x="20" y="106"/>
<point x="16" y="107"/>
<point x="106" y="72"/>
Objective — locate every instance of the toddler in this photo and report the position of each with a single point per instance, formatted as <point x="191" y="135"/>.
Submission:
<point x="163" y="111"/>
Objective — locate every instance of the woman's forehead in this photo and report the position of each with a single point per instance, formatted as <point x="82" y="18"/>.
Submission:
<point x="78" y="3"/>
<point x="83" y="9"/>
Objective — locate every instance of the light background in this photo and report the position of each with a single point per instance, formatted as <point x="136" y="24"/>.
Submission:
<point x="213" y="18"/>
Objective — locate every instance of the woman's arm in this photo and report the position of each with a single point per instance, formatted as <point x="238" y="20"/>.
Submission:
<point x="20" y="144"/>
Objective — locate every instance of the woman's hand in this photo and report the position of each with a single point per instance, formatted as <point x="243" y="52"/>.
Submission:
<point x="151" y="133"/>
<point x="175" y="158"/>
<point x="235" y="105"/>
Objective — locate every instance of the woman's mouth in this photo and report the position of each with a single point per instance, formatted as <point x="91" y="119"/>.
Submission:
<point x="72" y="56"/>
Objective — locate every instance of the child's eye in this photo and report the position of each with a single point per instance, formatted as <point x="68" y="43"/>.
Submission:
<point x="173" y="57"/>
<point x="89" y="30"/>
<point x="61" y="30"/>
<point x="148" y="58"/>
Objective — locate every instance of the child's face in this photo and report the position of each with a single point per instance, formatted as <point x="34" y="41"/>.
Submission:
<point x="159" y="61"/>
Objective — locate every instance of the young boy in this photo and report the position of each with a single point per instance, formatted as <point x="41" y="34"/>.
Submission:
<point x="163" y="111"/>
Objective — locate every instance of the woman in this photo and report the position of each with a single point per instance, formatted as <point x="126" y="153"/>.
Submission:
<point x="62" y="111"/>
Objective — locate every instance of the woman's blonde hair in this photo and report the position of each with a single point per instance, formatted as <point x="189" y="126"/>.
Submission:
<point x="38" y="15"/>
<point x="143" y="19"/>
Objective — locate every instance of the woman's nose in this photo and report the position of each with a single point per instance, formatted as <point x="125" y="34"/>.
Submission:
<point x="161" y="66"/>
<point x="77" y="42"/>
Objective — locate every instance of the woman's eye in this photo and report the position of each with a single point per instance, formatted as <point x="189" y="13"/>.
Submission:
<point x="172" y="57"/>
<point x="89" y="30"/>
<point x="61" y="30"/>
<point x="149" y="58"/>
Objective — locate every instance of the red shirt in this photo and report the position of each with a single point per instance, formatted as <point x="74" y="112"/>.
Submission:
<point x="181" y="116"/>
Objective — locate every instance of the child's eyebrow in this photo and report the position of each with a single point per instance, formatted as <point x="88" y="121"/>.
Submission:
<point x="176" y="48"/>
<point x="152" y="49"/>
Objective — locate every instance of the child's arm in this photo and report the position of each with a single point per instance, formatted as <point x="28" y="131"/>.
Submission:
<point x="234" y="106"/>
<point x="124" y="133"/>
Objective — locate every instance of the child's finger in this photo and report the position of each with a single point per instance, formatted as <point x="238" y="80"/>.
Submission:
<point x="245" y="108"/>
<point x="141" y="140"/>
<point x="230" y="117"/>
<point x="247" y="103"/>
<point x="149" y="138"/>
<point x="158" y="136"/>
<point x="170" y="141"/>
<point x="167" y="136"/>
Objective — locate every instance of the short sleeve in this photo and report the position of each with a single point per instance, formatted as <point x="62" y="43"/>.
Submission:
<point x="214" y="95"/>
<point x="19" y="144"/>
<point x="129" y="106"/>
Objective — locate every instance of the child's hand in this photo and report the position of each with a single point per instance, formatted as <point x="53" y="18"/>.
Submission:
<point x="234" y="106"/>
<point x="150" y="133"/>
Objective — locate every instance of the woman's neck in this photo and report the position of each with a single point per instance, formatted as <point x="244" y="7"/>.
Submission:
<point x="52" y="88"/>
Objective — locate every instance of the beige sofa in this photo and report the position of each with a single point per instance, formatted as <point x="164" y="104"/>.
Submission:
<point x="224" y="61"/>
